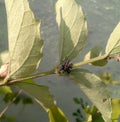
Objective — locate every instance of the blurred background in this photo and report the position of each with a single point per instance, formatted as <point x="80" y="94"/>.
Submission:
<point x="102" y="17"/>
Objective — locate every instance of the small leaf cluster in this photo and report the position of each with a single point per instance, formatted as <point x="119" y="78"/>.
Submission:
<point x="79" y="114"/>
<point x="86" y="113"/>
<point x="21" y="98"/>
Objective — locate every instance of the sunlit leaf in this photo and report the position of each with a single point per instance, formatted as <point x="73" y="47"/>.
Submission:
<point x="95" y="89"/>
<point x="43" y="96"/>
<point x="113" y="45"/>
<point x="7" y="118"/>
<point x="56" y="115"/>
<point x="115" y="109"/>
<point x="25" y="44"/>
<point x="72" y="28"/>
<point x="97" y="118"/>
<point x="106" y="77"/>
<point x="10" y="96"/>
<point x="95" y="52"/>
<point x="5" y="89"/>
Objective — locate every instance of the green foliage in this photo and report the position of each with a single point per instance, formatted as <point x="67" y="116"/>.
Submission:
<point x="95" y="89"/>
<point x="25" y="44"/>
<point x="79" y="114"/>
<point x="113" y="45"/>
<point x="114" y="87"/>
<point x="23" y="98"/>
<point x="95" y="52"/>
<point x="115" y="110"/>
<point x="56" y="115"/>
<point x="5" y="90"/>
<point x="69" y="18"/>
<point x="27" y="100"/>
<point x="106" y="77"/>
<point x="92" y="112"/>
<point x="25" y="54"/>
<point x="42" y="95"/>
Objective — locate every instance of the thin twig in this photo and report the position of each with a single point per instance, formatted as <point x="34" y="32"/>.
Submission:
<point x="9" y="104"/>
<point x="90" y="61"/>
<point x="3" y="83"/>
<point x="33" y="76"/>
<point x="114" y="57"/>
<point x="27" y="78"/>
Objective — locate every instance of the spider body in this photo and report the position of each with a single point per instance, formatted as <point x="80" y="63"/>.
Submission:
<point x="66" y="67"/>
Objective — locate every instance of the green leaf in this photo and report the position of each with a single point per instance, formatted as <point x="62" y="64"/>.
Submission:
<point x="77" y="101"/>
<point x="56" y="115"/>
<point x="95" y="89"/>
<point x="115" y="109"/>
<point x="42" y="95"/>
<point x="27" y="100"/>
<point x="113" y="45"/>
<point x="5" y="118"/>
<point x="5" y="90"/>
<point x="95" y="52"/>
<point x="25" y="44"/>
<point x="73" y="28"/>
<point x="97" y="118"/>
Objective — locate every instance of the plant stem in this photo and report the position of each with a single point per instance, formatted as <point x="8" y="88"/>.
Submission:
<point x="34" y="76"/>
<point x="51" y="71"/>
<point x="90" y="61"/>
<point x="27" y="78"/>
<point x="9" y="104"/>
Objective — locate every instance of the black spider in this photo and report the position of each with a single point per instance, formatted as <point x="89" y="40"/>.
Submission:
<point x="66" y="67"/>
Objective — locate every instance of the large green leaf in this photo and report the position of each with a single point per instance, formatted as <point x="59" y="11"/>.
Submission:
<point x="113" y="45"/>
<point x="25" y="44"/>
<point x="95" y="89"/>
<point x="72" y="27"/>
<point x="95" y="52"/>
<point x="56" y="115"/>
<point x="5" y="90"/>
<point x="42" y="95"/>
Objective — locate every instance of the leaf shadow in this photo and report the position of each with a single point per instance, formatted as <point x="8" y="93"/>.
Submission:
<point x="67" y="43"/>
<point x="79" y="77"/>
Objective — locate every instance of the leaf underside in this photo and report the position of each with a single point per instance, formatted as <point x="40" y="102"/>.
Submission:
<point x="95" y="89"/>
<point x="43" y="97"/>
<point x="5" y="90"/>
<point x="25" y="44"/>
<point x="113" y="45"/>
<point x="72" y="28"/>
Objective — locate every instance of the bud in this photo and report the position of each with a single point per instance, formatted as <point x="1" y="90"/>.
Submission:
<point x="4" y="70"/>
